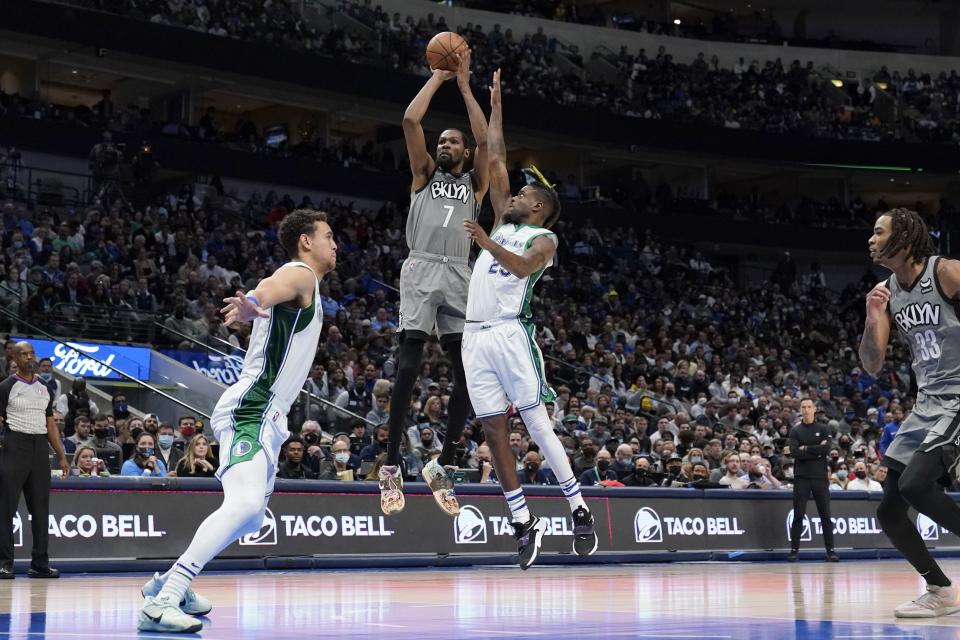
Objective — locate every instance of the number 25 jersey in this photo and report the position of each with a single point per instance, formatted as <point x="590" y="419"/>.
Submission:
<point x="928" y="321"/>
<point x="495" y="293"/>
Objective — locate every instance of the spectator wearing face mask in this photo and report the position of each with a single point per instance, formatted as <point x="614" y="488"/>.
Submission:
<point x="485" y="464"/>
<point x="623" y="461"/>
<point x="600" y="471"/>
<point x="532" y="472"/>
<point x="841" y="478"/>
<point x="101" y="440"/>
<point x="143" y="461"/>
<point x="862" y="481"/>
<point x="642" y="476"/>
<point x="587" y="458"/>
<point x="121" y="410"/>
<point x="170" y="454"/>
<point x="674" y="472"/>
<point x="45" y="371"/>
<point x="339" y="468"/>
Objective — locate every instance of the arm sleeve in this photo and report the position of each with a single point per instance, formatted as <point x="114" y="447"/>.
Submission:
<point x="49" y="412"/>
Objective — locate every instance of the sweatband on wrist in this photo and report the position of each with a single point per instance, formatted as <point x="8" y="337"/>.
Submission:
<point x="252" y="298"/>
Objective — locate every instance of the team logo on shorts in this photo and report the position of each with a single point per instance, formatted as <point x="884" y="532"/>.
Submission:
<point x="242" y="448"/>
<point x="470" y="527"/>
<point x="265" y="535"/>
<point x="647" y="526"/>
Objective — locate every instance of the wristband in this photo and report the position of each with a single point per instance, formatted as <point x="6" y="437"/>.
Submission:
<point x="252" y="298"/>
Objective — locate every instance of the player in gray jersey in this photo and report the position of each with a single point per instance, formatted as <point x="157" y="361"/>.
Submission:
<point x="435" y="277"/>
<point x="920" y="299"/>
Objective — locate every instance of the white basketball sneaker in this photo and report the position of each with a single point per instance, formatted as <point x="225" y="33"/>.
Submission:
<point x="440" y="483"/>
<point x="391" y="489"/>
<point x="192" y="604"/>
<point x="162" y="614"/>
<point x="933" y="603"/>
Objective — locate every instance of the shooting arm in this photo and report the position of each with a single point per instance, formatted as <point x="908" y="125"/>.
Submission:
<point x="532" y="260"/>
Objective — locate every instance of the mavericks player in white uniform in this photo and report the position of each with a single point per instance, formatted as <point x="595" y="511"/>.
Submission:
<point x="250" y="419"/>
<point x="501" y="359"/>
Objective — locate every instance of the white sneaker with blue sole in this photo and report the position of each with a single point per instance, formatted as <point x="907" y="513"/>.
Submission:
<point x="192" y="604"/>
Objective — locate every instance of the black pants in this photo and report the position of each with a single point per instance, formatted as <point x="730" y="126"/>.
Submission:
<point x="802" y="488"/>
<point x="24" y="468"/>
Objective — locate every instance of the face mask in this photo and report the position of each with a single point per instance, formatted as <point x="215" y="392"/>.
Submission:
<point x="696" y="459"/>
<point x="311" y="438"/>
<point x="531" y="467"/>
<point x="46" y="376"/>
<point x="146" y="452"/>
<point x="675" y="470"/>
<point x="603" y="465"/>
<point x="567" y="451"/>
<point x="100" y="434"/>
<point x="120" y="407"/>
<point x="342" y="457"/>
<point x="187" y="432"/>
<point x="166" y="441"/>
<point x="862" y="475"/>
<point x="842" y="474"/>
<point x="699" y="476"/>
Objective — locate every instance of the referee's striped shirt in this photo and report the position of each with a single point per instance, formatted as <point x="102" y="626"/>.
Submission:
<point x="25" y="405"/>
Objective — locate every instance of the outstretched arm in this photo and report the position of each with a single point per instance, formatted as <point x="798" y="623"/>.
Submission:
<point x="876" y="330"/>
<point x="497" y="150"/>
<point x="285" y="285"/>
<point x="422" y="163"/>
<point x="478" y="126"/>
<point x="535" y="258"/>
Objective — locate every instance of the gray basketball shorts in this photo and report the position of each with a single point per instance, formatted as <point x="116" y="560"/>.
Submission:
<point x="433" y="294"/>
<point x="933" y="423"/>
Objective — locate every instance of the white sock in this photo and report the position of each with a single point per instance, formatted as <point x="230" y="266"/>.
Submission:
<point x="518" y="505"/>
<point x="540" y="428"/>
<point x="244" y="491"/>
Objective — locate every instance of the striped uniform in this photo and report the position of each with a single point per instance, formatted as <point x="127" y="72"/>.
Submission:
<point x="252" y="414"/>
<point x="435" y="275"/>
<point x="929" y="323"/>
<point x="501" y="359"/>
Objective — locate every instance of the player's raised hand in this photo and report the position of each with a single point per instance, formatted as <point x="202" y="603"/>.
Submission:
<point x="463" y="70"/>
<point x="495" y="90"/>
<point x="476" y="233"/>
<point x="240" y="308"/>
<point x="445" y="75"/>
<point x="877" y="301"/>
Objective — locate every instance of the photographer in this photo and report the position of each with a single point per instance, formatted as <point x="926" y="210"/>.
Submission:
<point x="810" y="441"/>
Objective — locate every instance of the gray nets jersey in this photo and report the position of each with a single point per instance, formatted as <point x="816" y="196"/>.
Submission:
<point x="927" y="320"/>
<point x="437" y="212"/>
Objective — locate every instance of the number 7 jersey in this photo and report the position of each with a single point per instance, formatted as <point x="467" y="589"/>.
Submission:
<point x="928" y="321"/>
<point x="495" y="293"/>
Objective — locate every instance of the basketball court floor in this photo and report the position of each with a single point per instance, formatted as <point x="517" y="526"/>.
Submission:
<point x="709" y="601"/>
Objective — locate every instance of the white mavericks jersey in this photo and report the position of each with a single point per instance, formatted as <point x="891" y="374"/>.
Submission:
<point x="282" y="349"/>
<point x="495" y="293"/>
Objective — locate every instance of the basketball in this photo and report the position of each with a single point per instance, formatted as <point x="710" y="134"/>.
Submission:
<point x="441" y="50"/>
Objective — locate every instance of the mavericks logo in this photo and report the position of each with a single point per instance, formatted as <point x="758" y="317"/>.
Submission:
<point x="265" y="535"/>
<point x="647" y="526"/>
<point x="806" y="535"/>
<point x="470" y="527"/>
<point x="928" y="528"/>
<point x="242" y="448"/>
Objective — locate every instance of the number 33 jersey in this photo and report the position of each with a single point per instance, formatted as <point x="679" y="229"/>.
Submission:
<point x="495" y="293"/>
<point x="928" y="321"/>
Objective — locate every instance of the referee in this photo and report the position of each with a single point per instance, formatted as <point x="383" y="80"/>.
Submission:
<point x="26" y="426"/>
<point x="810" y="443"/>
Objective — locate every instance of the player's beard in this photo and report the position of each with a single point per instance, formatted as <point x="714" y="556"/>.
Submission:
<point x="445" y="161"/>
<point x="513" y="216"/>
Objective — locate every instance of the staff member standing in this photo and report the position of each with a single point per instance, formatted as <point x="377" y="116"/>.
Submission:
<point x="26" y="420"/>
<point x="810" y="442"/>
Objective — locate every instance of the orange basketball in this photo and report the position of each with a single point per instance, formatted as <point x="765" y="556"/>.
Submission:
<point x="441" y="50"/>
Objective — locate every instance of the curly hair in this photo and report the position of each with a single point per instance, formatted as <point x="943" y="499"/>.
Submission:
<point x="295" y="224"/>
<point x="908" y="231"/>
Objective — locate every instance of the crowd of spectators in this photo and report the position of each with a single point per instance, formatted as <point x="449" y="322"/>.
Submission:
<point x="772" y="96"/>
<point x="654" y="351"/>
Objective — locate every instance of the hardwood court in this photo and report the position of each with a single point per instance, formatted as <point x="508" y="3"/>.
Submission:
<point x="850" y="600"/>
